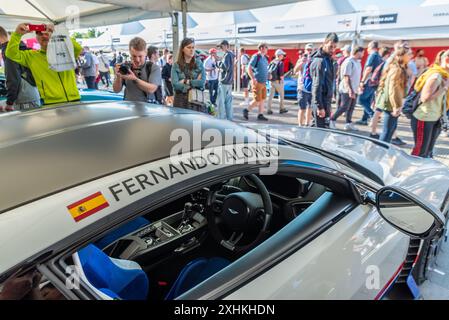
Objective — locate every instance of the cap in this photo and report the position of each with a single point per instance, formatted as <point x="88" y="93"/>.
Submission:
<point x="223" y="43"/>
<point x="280" y="52"/>
<point x="347" y="48"/>
<point x="212" y="50"/>
<point x="309" y="46"/>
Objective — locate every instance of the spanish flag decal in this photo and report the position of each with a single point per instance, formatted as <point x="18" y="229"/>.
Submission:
<point x="88" y="206"/>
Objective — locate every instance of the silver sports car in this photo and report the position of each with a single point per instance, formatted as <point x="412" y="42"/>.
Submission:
<point x="124" y="200"/>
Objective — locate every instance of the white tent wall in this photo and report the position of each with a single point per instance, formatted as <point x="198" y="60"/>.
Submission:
<point x="292" y="32"/>
<point x="318" y="8"/>
<point x="429" y="22"/>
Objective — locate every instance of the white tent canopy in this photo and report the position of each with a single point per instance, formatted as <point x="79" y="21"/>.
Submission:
<point x="76" y="13"/>
<point x="195" y="5"/>
<point x="93" y="13"/>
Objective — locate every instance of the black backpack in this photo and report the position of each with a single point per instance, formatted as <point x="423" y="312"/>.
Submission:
<point x="158" y="93"/>
<point x="413" y="99"/>
<point x="273" y="70"/>
<point x="374" y="80"/>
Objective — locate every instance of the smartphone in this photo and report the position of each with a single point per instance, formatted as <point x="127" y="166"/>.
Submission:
<point x="37" y="27"/>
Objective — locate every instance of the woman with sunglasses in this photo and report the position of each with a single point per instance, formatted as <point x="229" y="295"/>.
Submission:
<point x="429" y="116"/>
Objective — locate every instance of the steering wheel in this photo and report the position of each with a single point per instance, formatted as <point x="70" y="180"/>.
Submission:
<point x="238" y="211"/>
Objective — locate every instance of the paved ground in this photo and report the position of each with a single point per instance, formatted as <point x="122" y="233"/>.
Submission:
<point x="404" y="131"/>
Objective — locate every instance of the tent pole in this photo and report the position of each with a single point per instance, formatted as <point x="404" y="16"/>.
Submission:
<point x="184" y="18"/>
<point x="175" y="33"/>
<point x="239" y="68"/>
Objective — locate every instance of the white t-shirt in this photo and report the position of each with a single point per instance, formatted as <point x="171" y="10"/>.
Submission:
<point x="95" y="58"/>
<point x="104" y="64"/>
<point x="244" y="59"/>
<point x="210" y="63"/>
<point x="352" y="68"/>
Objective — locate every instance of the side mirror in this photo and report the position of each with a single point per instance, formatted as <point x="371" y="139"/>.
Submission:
<point x="406" y="213"/>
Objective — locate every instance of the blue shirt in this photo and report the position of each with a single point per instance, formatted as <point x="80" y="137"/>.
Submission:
<point x="260" y="68"/>
<point x="374" y="60"/>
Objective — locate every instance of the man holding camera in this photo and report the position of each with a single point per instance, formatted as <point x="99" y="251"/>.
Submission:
<point x="54" y="87"/>
<point x="140" y="78"/>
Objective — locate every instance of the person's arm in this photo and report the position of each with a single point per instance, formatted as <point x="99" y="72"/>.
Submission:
<point x="243" y="66"/>
<point x="368" y="70"/>
<point x="281" y="70"/>
<point x="145" y="86"/>
<point x="347" y="71"/>
<point x="207" y="64"/>
<point x="118" y="81"/>
<point x="298" y="67"/>
<point x="165" y="74"/>
<point x="431" y="89"/>
<point x="347" y="82"/>
<point x="251" y="65"/>
<point x="229" y="63"/>
<point x="366" y="73"/>
<point x="154" y="81"/>
<point x="316" y="69"/>
<point x="13" y="51"/>
<point x="13" y="79"/>
<point x="178" y="79"/>
<point x="396" y="92"/>
<point x="76" y="48"/>
<point x="201" y="79"/>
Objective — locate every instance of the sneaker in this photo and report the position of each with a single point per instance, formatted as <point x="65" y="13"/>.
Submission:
<point x="350" y="127"/>
<point x="245" y="113"/>
<point x="398" y="142"/>
<point x="269" y="112"/>
<point x="261" y="117"/>
<point x="283" y="111"/>
<point x="332" y="125"/>
<point x="374" y="136"/>
<point x="361" y="123"/>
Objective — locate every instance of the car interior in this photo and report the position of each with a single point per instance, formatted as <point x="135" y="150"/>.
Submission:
<point x="165" y="252"/>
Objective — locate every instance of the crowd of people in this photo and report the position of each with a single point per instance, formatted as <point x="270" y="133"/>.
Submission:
<point x="325" y="75"/>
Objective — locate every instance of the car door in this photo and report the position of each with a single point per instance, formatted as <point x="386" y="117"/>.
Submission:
<point x="336" y="249"/>
<point x="353" y="259"/>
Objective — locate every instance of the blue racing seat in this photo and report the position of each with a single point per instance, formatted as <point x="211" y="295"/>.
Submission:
<point x="111" y="278"/>
<point x="125" y="280"/>
<point x="125" y="229"/>
<point x="194" y="273"/>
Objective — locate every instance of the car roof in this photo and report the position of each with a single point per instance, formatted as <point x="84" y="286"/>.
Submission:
<point x="50" y="150"/>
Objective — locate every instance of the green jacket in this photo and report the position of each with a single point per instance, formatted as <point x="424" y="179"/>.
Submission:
<point x="54" y="87"/>
<point x="177" y="75"/>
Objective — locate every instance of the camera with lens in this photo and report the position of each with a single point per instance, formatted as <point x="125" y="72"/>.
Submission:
<point x="124" y="69"/>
